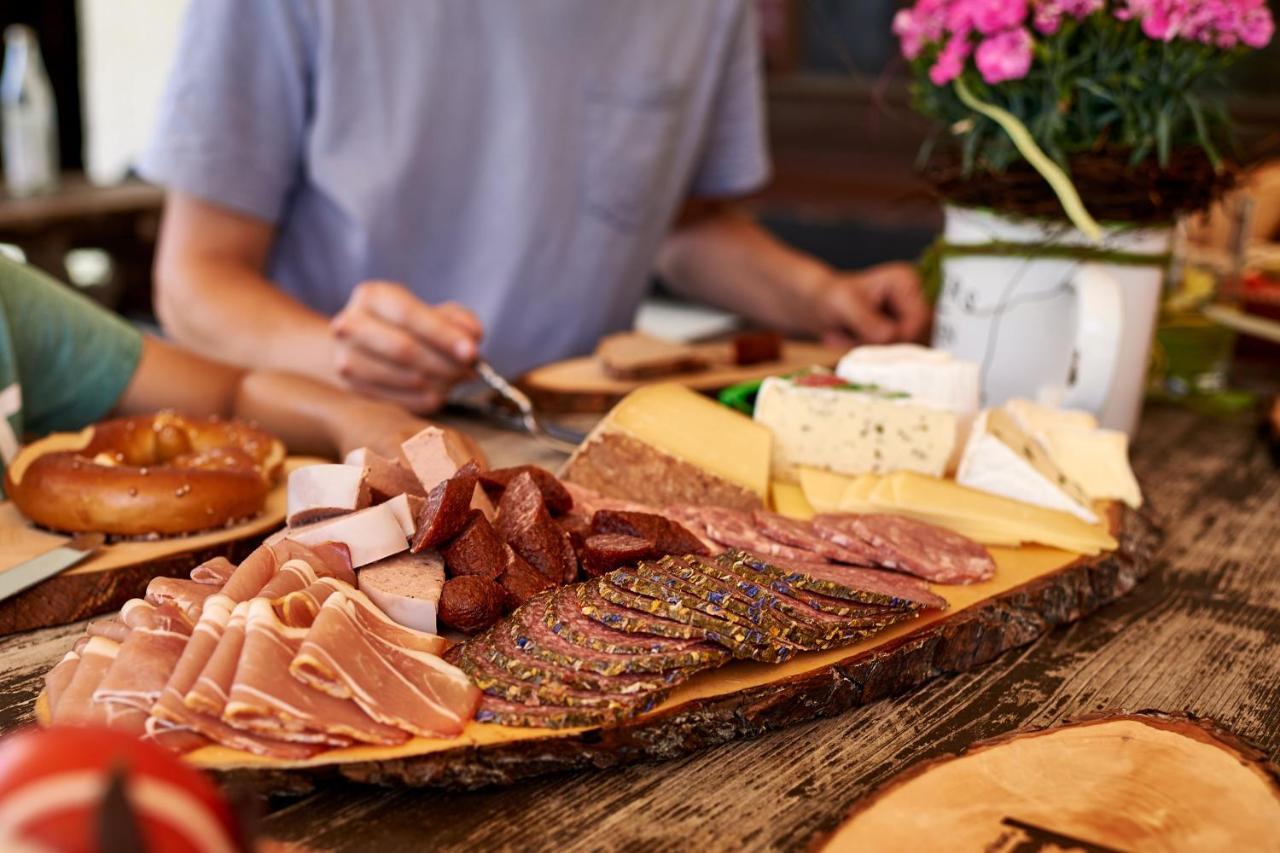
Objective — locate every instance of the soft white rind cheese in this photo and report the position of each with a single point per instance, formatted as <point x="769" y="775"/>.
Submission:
<point x="930" y="376"/>
<point x="851" y="432"/>
<point x="990" y="465"/>
<point x="1096" y="459"/>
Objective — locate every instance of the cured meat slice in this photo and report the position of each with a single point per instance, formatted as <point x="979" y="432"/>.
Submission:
<point x="503" y="712"/>
<point x="587" y="502"/>
<point x="555" y="496"/>
<point x="397" y="685"/>
<point x="528" y="628"/>
<point x="622" y="618"/>
<point x="157" y="636"/>
<point x="690" y="517"/>
<point x="57" y="679"/>
<point x="565" y="617"/>
<point x="299" y="608"/>
<point x="521" y="581"/>
<point x="605" y="552"/>
<point x="852" y="583"/>
<point x="471" y="603"/>
<point x="208" y="695"/>
<point x="667" y="536"/>
<point x="325" y="559"/>
<point x="737" y="530"/>
<point x="215" y="572"/>
<point x="477" y="550"/>
<point x="497" y="681"/>
<point x="447" y="509"/>
<point x="266" y="700"/>
<point x="112" y="629"/>
<point x="187" y="595"/>
<point x="524" y="522"/>
<point x="76" y="705"/>
<point x="382" y="628"/>
<point x="925" y="550"/>
<point x="741" y="641"/>
<point x="802" y="535"/>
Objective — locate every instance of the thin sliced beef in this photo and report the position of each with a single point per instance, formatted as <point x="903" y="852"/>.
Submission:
<point x="802" y="535"/>
<point x="925" y="550"/>
<point x="667" y="536"/>
<point x="622" y="618"/>
<point x="556" y="497"/>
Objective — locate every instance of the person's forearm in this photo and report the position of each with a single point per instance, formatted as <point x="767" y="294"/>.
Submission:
<point x="720" y="256"/>
<point x="316" y="418"/>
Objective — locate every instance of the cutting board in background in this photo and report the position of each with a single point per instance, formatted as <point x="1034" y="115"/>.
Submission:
<point x="581" y="385"/>
<point x="121" y="570"/>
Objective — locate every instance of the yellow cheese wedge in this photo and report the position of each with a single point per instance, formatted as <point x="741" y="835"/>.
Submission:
<point x="823" y="489"/>
<point x="944" y="501"/>
<point x="857" y="497"/>
<point x="789" y="500"/>
<point x="665" y="444"/>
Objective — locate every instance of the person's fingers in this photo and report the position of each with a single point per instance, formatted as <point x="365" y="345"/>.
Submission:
<point x="396" y="305"/>
<point x="422" y="402"/>
<point x="463" y="317"/>
<point x="383" y="340"/>
<point x="354" y="363"/>
<point x="849" y="310"/>
<point x="899" y="285"/>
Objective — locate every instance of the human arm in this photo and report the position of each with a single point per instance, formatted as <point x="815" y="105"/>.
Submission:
<point x="719" y="255"/>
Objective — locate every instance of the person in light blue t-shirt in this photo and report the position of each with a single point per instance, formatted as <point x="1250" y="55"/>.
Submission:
<point x="377" y="193"/>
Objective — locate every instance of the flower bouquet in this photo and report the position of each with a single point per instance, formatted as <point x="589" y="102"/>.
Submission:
<point x="1076" y="132"/>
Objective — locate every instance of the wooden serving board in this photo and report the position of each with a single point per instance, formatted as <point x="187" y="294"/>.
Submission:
<point x="121" y="570"/>
<point x="1145" y="781"/>
<point x="1034" y="590"/>
<point x="581" y="385"/>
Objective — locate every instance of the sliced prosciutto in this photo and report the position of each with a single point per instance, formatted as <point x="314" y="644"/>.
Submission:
<point x="208" y="695"/>
<point x="57" y="679"/>
<point x="76" y="705"/>
<point x="186" y="595"/>
<point x="215" y="572"/>
<point x="266" y="700"/>
<point x="394" y="683"/>
<point x="298" y="609"/>
<point x="157" y="636"/>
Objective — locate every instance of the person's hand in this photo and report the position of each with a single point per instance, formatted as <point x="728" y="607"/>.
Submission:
<point x="393" y="346"/>
<point x="879" y="305"/>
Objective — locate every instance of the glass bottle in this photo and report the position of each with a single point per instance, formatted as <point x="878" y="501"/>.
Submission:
<point x="28" y="116"/>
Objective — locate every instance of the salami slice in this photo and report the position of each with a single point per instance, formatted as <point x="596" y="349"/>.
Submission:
<point x="737" y="530"/>
<point x="667" y="536"/>
<point x="556" y="497"/>
<point x="447" y="509"/>
<point x="802" y="535"/>
<point x="690" y="518"/>
<point x="851" y="583"/>
<point x="477" y="550"/>
<point x="925" y="550"/>
<point x="566" y="618"/>
<point x="605" y="552"/>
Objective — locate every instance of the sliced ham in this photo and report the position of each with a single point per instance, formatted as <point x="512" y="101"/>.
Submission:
<point x="265" y="700"/>
<point x="322" y="491"/>
<point x="187" y="595"/>
<point x="112" y="629"/>
<point x="208" y="695"/>
<point x="402" y="687"/>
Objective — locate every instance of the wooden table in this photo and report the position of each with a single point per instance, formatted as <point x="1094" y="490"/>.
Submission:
<point x="1200" y="635"/>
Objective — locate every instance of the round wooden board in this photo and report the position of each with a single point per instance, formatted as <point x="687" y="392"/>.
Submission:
<point x="1034" y="590"/>
<point x="121" y="570"/>
<point x="581" y="385"/>
<point x="1145" y="781"/>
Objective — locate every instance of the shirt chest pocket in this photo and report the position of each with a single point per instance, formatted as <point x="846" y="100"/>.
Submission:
<point x="631" y="139"/>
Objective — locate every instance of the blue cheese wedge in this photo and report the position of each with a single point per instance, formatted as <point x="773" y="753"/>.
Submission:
<point x="999" y="458"/>
<point x="852" y="432"/>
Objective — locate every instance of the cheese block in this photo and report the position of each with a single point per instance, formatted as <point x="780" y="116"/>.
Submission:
<point x="1035" y="418"/>
<point x="789" y="500"/>
<point x="665" y="444"/>
<point x="943" y="502"/>
<point x="929" y="376"/>
<point x="851" y="432"/>
<point x="1002" y="459"/>
<point x="1096" y="459"/>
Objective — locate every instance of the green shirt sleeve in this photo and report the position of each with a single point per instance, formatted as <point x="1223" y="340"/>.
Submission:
<point x="72" y="358"/>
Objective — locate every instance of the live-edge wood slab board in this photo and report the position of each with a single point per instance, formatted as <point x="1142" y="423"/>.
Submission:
<point x="121" y="570"/>
<point x="1034" y="589"/>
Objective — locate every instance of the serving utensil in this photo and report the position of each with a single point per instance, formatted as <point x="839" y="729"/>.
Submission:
<point x="557" y="437"/>
<point x="41" y="567"/>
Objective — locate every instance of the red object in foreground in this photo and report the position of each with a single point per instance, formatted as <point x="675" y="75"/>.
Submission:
<point x="85" y="789"/>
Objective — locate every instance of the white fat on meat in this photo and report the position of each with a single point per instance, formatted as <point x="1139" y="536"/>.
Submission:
<point x="406" y="588"/>
<point x="436" y="455"/>
<point x="323" y="491"/>
<point x="406" y="508"/>
<point x="370" y="534"/>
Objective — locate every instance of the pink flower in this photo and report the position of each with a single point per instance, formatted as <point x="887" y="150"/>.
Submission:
<point x="1048" y="14"/>
<point x="951" y="60"/>
<point x="994" y="16"/>
<point x="1005" y="56"/>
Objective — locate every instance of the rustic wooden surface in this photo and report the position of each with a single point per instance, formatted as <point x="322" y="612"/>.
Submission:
<point x="1199" y="635"/>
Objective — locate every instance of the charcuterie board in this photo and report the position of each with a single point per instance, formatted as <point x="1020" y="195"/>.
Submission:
<point x="1122" y="782"/>
<point x="581" y="384"/>
<point x="1034" y="589"/>
<point x="121" y="570"/>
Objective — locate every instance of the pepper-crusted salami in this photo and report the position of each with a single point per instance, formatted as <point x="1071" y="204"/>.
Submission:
<point x="802" y="535"/>
<point x="924" y="549"/>
<point x="554" y="494"/>
<point x="477" y="550"/>
<point x="667" y="536"/>
<point x="447" y="509"/>
<point x="524" y="522"/>
<point x="521" y="581"/>
<point x="470" y="603"/>
<point x="605" y="552"/>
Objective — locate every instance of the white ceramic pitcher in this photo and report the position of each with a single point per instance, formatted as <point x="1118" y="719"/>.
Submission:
<point x="1059" y="330"/>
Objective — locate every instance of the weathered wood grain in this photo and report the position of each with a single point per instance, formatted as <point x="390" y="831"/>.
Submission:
<point x="1197" y="636"/>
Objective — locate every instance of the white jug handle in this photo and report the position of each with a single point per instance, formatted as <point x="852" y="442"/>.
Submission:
<point x="1099" y="325"/>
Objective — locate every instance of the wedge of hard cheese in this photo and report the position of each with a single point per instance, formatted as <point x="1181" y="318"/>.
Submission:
<point x="789" y="500"/>
<point x="852" y="432"/>
<point x="665" y="444"/>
